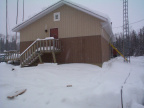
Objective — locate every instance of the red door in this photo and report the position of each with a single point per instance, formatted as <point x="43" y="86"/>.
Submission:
<point x="54" y="33"/>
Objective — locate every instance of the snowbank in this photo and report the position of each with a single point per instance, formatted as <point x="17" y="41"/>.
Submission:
<point x="92" y="86"/>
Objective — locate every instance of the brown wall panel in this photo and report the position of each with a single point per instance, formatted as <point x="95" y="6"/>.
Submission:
<point x="47" y="58"/>
<point x="81" y="50"/>
<point x="105" y="50"/>
<point x="25" y="45"/>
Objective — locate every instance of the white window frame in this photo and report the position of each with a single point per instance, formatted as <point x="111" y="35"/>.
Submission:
<point x="57" y="14"/>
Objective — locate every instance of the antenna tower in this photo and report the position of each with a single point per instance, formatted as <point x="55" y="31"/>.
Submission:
<point x="126" y="42"/>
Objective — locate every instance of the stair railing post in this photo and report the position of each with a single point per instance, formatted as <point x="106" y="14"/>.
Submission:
<point x="30" y="56"/>
<point x="40" y="45"/>
<point x="46" y="45"/>
<point x="29" y="53"/>
<point x="27" y="56"/>
<point x="36" y="46"/>
<point x="21" y="60"/>
<point x="50" y="44"/>
<point x="15" y="54"/>
<point x="54" y="57"/>
<point x="43" y="45"/>
<point x="53" y="44"/>
<point x="34" y="49"/>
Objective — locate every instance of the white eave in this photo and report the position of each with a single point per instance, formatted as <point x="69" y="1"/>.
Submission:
<point x="55" y="6"/>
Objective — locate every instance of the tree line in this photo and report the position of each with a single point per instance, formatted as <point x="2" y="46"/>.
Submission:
<point x="133" y="44"/>
<point x="12" y="44"/>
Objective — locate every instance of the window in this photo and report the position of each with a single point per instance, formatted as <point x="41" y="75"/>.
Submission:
<point x="57" y="16"/>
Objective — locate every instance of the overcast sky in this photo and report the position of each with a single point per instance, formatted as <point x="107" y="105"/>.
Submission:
<point x="113" y="8"/>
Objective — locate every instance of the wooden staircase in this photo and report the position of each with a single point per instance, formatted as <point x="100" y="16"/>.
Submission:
<point x="37" y="49"/>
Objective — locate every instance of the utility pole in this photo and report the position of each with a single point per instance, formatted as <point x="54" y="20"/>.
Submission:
<point x="6" y="27"/>
<point x="16" y="24"/>
<point x="126" y="48"/>
<point x="17" y="12"/>
<point x="0" y="45"/>
<point x="23" y="11"/>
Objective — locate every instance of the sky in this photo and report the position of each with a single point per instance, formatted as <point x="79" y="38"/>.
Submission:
<point x="113" y="8"/>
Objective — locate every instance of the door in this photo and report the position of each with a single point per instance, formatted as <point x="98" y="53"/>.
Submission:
<point x="54" y="33"/>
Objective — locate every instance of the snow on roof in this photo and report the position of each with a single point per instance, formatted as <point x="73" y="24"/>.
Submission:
<point x="51" y="8"/>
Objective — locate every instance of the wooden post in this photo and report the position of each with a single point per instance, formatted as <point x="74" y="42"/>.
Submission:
<point x="40" y="58"/>
<point x="40" y="45"/>
<point x="60" y="45"/>
<point x="46" y="45"/>
<point x="54" y="58"/>
<point x="43" y="46"/>
<point x="54" y="45"/>
<point x="50" y="45"/>
<point x="34" y="49"/>
<point x="21" y="59"/>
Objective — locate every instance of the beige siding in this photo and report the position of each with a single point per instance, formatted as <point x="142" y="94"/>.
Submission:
<point x="105" y="35"/>
<point x="73" y="23"/>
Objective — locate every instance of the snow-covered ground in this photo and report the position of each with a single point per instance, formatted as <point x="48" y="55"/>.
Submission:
<point x="92" y="86"/>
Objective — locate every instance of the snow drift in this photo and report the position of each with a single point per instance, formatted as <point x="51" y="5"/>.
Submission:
<point x="92" y="86"/>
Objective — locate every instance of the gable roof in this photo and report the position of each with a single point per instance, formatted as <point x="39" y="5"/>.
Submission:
<point x="51" y="8"/>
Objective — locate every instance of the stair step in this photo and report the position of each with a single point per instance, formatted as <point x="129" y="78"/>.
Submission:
<point x="31" y="60"/>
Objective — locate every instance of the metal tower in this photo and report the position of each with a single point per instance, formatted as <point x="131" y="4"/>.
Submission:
<point x="126" y="42"/>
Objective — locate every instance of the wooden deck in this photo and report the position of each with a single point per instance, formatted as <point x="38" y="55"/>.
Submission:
<point x="12" y="55"/>
<point x="35" y="51"/>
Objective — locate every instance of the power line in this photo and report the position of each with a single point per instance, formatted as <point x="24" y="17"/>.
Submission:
<point x="130" y="23"/>
<point x="137" y="21"/>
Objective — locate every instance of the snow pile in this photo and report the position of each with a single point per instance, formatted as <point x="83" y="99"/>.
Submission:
<point x="92" y="86"/>
<point x="49" y="48"/>
<point x="47" y="38"/>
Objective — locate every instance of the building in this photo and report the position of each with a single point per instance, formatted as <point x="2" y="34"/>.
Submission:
<point x="84" y="35"/>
